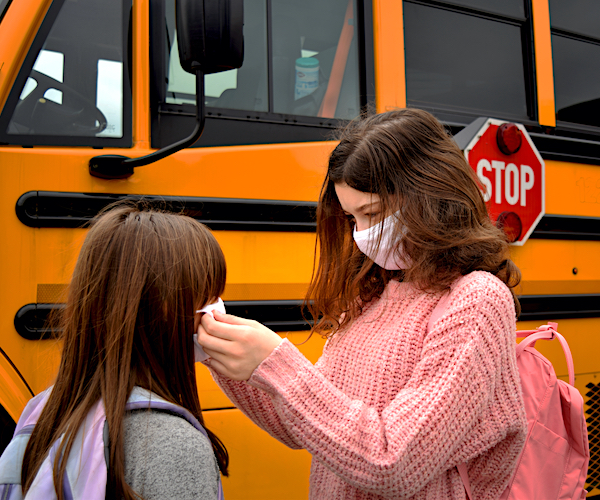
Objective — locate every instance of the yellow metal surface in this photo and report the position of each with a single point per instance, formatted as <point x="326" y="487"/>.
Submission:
<point x="17" y="31"/>
<point x="572" y="189"/>
<point x="141" y="74"/>
<point x="14" y="394"/>
<point x="543" y="62"/>
<point x="279" y="171"/>
<point x="548" y="267"/>
<point x="388" y="34"/>
<point x="261" y="467"/>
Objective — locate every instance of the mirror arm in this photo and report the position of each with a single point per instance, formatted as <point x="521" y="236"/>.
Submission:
<point x="121" y="167"/>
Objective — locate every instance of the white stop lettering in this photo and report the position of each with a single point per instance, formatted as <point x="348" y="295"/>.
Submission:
<point x="517" y="181"/>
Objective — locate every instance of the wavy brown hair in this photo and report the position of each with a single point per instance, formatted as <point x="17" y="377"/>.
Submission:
<point x="128" y="321"/>
<point x="408" y="159"/>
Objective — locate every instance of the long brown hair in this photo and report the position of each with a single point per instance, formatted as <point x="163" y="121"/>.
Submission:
<point x="128" y="321"/>
<point x="408" y="159"/>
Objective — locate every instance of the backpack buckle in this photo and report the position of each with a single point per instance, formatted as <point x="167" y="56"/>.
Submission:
<point x="550" y="327"/>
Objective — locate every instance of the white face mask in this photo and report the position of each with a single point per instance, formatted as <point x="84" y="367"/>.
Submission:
<point x="218" y="306"/>
<point x="385" y="255"/>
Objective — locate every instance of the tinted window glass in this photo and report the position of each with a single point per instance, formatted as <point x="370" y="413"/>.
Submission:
<point x="307" y="38"/>
<point x="314" y="66"/>
<point x="245" y="88"/>
<point x="512" y="8"/>
<point x="576" y="80"/>
<point x="464" y="63"/>
<point x="577" y="16"/>
<point x="76" y="86"/>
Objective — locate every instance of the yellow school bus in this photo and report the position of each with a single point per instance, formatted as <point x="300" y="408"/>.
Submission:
<point x="80" y="79"/>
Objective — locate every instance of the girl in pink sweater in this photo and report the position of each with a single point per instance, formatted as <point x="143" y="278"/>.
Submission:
<point x="395" y="403"/>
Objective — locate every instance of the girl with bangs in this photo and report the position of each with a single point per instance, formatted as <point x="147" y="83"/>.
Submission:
<point x="414" y="291"/>
<point x="123" y="419"/>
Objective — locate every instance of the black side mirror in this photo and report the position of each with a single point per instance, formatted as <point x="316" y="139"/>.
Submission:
<point x="210" y="34"/>
<point x="210" y="39"/>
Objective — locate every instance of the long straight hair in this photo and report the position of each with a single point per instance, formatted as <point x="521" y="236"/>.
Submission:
<point x="408" y="159"/>
<point x="128" y="321"/>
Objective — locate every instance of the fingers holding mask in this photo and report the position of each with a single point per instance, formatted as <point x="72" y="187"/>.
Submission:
<point x="236" y="345"/>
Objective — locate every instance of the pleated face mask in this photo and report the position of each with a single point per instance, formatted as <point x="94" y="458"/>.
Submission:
<point x="218" y="306"/>
<point x="387" y="255"/>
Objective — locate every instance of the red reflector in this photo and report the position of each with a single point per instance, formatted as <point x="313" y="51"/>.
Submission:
<point x="508" y="138"/>
<point x="511" y="224"/>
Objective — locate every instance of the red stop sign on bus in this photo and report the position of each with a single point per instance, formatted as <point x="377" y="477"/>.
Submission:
<point x="512" y="176"/>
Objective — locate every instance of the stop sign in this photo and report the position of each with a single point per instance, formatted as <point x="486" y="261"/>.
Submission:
<point x="512" y="176"/>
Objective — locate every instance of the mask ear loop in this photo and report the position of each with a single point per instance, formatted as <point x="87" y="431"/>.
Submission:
<point x="219" y="306"/>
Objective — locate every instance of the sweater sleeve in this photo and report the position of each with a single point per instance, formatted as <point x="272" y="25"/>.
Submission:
<point x="421" y="433"/>
<point x="165" y="457"/>
<point x="256" y="404"/>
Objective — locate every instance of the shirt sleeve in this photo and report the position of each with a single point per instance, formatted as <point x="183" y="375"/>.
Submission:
<point x="423" y="431"/>
<point x="166" y="457"/>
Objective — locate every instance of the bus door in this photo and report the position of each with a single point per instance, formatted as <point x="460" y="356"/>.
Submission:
<point x="83" y="79"/>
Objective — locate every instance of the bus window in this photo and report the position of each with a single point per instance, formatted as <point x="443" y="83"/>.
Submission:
<point x="465" y="62"/>
<point x="313" y="69"/>
<point x="109" y="96"/>
<point x="576" y="59"/>
<point x="49" y="63"/>
<point x="315" y="49"/>
<point x="231" y="89"/>
<point x="513" y="8"/>
<point x="73" y="86"/>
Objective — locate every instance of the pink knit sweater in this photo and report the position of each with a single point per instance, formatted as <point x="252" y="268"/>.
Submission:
<point x="390" y="409"/>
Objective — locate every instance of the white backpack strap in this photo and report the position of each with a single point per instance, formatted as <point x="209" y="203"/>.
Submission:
<point x="547" y="332"/>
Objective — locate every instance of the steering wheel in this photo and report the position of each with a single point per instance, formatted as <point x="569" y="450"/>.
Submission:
<point x="79" y="116"/>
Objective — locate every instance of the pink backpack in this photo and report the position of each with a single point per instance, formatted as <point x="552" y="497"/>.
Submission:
<point x="554" y="462"/>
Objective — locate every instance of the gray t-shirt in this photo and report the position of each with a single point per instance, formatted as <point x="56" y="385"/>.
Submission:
<point x="167" y="458"/>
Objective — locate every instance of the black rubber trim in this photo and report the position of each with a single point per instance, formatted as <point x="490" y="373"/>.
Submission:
<point x="548" y="307"/>
<point x="31" y="321"/>
<point x="567" y="227"/>
<point x="286" y="315"/>
<point x="571" y="149"/>
<point x="71" y="210"/>
<point x="278" y="315"/>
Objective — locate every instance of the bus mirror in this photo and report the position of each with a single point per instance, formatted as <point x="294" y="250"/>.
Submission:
<point x="210" y="39"/>
<point x="210" y="34"/>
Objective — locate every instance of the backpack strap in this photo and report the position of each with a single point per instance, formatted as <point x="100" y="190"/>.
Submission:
<point x="464" y="475"/>
<point x="547" y="332"/>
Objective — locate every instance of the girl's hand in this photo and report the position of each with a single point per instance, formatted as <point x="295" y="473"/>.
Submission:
<point x="236" y="345"/>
